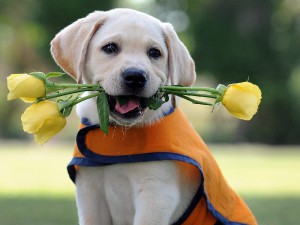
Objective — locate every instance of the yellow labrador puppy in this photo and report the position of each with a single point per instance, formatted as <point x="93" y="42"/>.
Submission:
<point x="132" y="54"/>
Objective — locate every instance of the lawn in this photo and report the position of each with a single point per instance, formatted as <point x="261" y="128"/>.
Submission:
<point x="35" y="188"/>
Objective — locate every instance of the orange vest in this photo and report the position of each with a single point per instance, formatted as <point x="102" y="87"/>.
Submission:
<point x="173" y="138"/>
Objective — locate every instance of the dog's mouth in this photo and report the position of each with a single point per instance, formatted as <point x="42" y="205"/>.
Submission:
<point x="127" y="106"/>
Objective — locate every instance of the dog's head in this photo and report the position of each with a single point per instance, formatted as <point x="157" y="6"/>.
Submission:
<point x="129" y="54"/>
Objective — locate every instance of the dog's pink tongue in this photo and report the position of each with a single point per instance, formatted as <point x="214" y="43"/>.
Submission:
<point x="132" y="104"/>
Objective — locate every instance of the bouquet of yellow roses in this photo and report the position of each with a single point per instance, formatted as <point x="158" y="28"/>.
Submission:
<point x="44" y="117"/>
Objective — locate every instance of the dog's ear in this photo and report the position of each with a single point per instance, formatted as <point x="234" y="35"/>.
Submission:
<point x="69" y="46"/>
<point x="181" y="65"/>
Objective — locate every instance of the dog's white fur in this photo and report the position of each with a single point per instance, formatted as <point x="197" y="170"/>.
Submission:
<point x="149" y="193"/>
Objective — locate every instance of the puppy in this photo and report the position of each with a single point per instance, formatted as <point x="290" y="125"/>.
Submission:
<point x="152" y="168"/>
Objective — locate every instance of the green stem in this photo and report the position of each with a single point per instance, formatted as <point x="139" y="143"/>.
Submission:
<point x="66" y="93"/>
<point x="66" y="85"/>
<point x="179" y="88"/>
<point x="85" y="98"/>
<point x="190" y="94"/>
<point x="195" y="101"/>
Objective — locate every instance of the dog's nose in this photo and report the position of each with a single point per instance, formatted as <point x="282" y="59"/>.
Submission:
<point x="134" y="78"/>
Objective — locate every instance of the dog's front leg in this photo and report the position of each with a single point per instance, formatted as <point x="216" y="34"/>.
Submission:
<point x="156" y="201"/>
<point x="92" y="208"/>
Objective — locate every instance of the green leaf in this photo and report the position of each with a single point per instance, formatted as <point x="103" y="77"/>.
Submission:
<point x="103" y="112"/>
<point x="166" y="97"/>
<point x="54" y="74"/>
<point x="65" y="106"/>
<point x="219" y="99"/>
<point x="221" y="88"/>
<point x="123" y="100"/>
<point x="39" y="75"/>
<point x="155" y="103"/>
<point x="67" y="111"/>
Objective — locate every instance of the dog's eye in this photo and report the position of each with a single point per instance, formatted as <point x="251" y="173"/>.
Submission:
<point x="111" y="48"/>
<point x="154" y="53"/>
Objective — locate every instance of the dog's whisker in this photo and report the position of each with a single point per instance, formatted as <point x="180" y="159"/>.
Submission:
<point x="114" y="129"/>
<point x="124" y="131"/>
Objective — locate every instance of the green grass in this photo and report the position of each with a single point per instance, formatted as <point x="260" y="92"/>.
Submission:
<point x="35" y="188"/>
<point x="37" y="210"/>
<point x="267" y="177"/>
<point x="261" y="170"/>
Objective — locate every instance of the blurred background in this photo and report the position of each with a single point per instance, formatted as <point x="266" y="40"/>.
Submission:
<point x="230" y="41"/>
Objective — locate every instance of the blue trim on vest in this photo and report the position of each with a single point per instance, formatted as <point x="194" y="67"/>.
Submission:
<point x="85" y="121"/>
<point x="93" y="160"/>
<point x="171" y="110"/>
<point x="100" y="160"/>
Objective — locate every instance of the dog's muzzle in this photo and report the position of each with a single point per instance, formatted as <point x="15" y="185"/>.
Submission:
<point x="131" y="104"/>
<point x="134" y="79"/>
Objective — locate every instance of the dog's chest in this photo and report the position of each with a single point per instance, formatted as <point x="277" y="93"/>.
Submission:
<point x="120" y="190"/>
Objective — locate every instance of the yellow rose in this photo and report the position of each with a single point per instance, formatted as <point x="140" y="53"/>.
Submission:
<point x="44" y="120"/>
<point x="242" y="99"/>
<point x="25" y="86"/>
